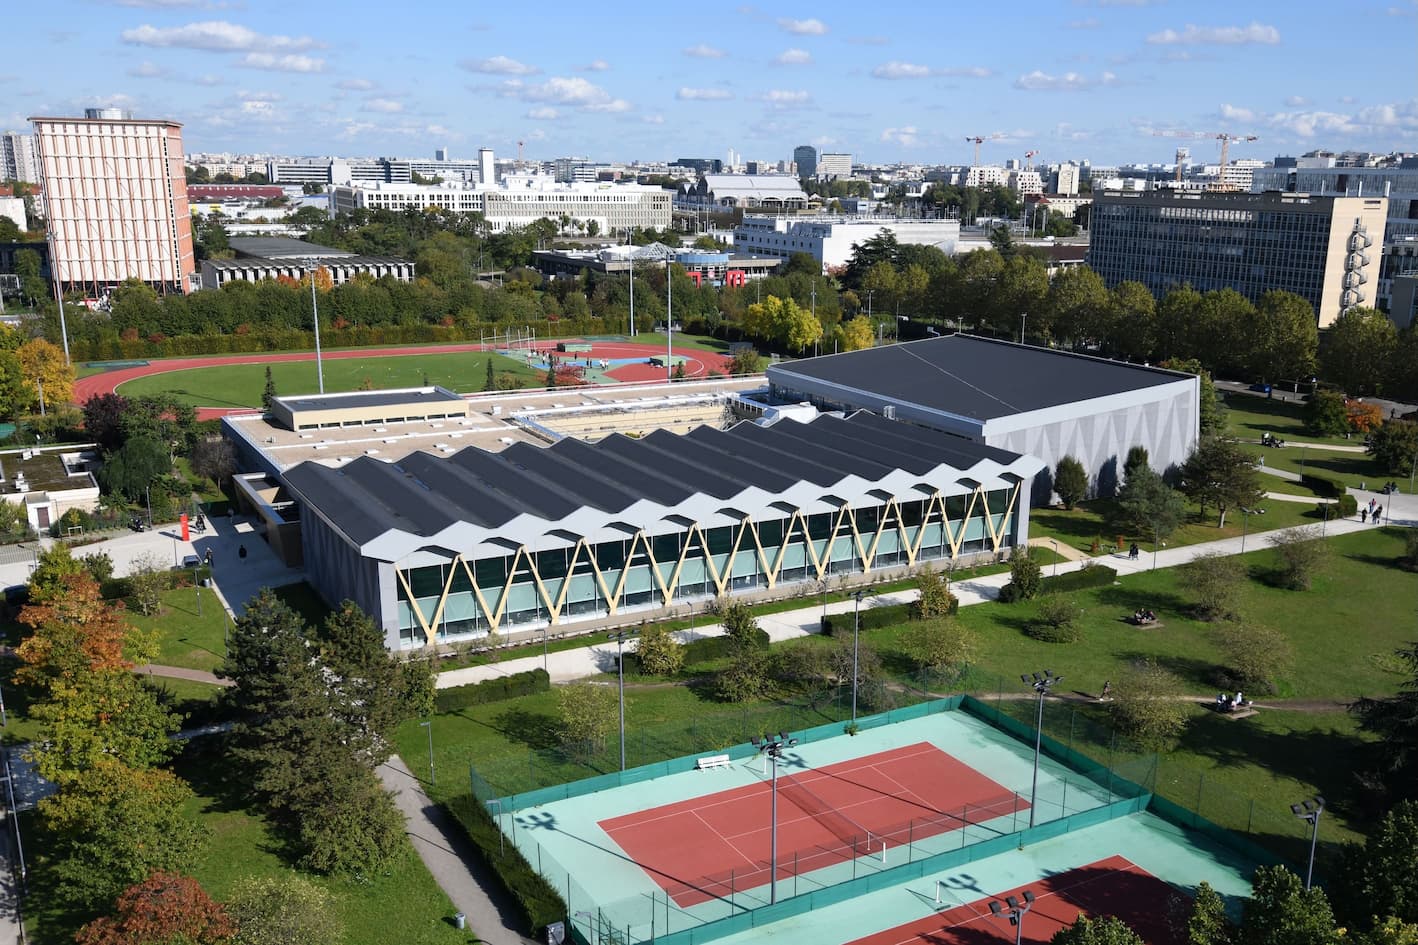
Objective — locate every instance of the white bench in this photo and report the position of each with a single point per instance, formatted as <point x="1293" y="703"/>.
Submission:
<point x="713" y="761"/>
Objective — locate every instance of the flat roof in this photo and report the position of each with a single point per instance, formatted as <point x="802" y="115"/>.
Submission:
<point x="281" y="247"/>
<point x="370" y="398"/>
<point x="970" y="376"/>
<point x="423" y="494"/>
<point x="247" y="261"/>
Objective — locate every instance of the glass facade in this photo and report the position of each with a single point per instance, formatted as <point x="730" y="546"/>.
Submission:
<point x="464" y="599"/>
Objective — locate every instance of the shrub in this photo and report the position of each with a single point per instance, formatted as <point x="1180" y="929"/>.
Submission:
<point x="873" y="618"/>
<point x="1056" y="621"/>
<point x="1325" y="486"/>
<point x="658" y="652"/>
<point x="1255" y="657"/>
<point x="1147" y="708"/>
<point x="1216" y="581"/>
<point x="538" y="900"/>
<point x="1024" y="573"/>
<point x="942" y="647"/>
<point x="712" y="649"/>
<point x="1301" y="554"/>
<point x="936" y="599"/>
<point x="1070" y="481"/>
<point x="587" y="716"/>
<point x="492" y="690"/>
<point x="1346" y="506"/>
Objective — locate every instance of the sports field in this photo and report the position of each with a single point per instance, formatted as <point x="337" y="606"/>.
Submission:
<point x="668" y="854"/>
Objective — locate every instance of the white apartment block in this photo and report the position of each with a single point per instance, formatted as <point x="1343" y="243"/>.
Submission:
<point x="985" y="175"/>
<point x="17" y="160"/>
<point x="116" y="201"/>
<point x="1026" y="181"/>
<point x="830" y="239"/>
<point x="13" y="208"/>
<point x="520" y="200"/>
<point x="1066" y="179"/>
<point x="834" y="165"/>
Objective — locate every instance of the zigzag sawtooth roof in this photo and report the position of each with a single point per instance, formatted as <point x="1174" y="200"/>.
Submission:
<point x="423" y="494"/>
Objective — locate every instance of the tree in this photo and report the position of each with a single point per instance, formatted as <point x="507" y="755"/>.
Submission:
<point x="1326" y="414"/>
<point x="1207" y="922"/>
<point x="43" y="365"/>
<point x="1394" y="720"/>
<point x="1301" y="554"/>
<point x="942" y="646"/>
<point x="934" y="599"/>
<point x="347" y="822"/>
<point x="1104" y="930"/>
<point x="1078" y="306"/>
<point x="1363" y="417"/>
<point x="364" y="682"/>
<point x="1056" y="620"/>
<point x="285" y="910"/>
<point x="1395" y="446"/>
<point x="1147" y="708"/>
<point x="1255" y="657"/>
<point x="587" y="716"/>
<point x="1024" y="573"/>
<point x="147" y="581"/>
<point x="112" y="826"/>
<point x="490" y="382"/>
<point x="660" y="654"/>
<point x="856" y="334"/>
<point x="1148" y="507"/>
<point x="268" y="393"/>
<point x="1070" y="481"/>
<point x="1281" y="338"/>
<point x="1137" y="460"/>
<point x="135" y="466"/>
<point x="55" y="564"/>
<point x="1379" y="875"/>
<point x="746" y="361"/>
<point x="1358" y="348"/>
<point x="1133" y="320"/>
<point x="1215" y="579"/>
<point x="747" y="674"/>
<point x="1212" y="415"/>
<point x="103" y="419"/>
<point x="213" y="459"/>
<point x="1280" y="911"/>
<point x="1220" y="474"/>
<point x="164" y="909"/>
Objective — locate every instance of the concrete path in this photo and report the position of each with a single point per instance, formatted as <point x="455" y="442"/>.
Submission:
<point x="1279" y="473"/>
<point x="455" y="863"/>
<point x="1289" y="497"/>
<point x="1062" y="549"/>
<point x="601" y="657"/>
<point x="181" y="672"/>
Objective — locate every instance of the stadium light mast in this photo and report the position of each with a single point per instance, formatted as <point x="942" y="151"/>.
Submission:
<point x="856" y="633"/>
<point x="1015" y="910"/>
<point x="315" y="312"/>
<point x="1309" y="810"/>
<point x="773" y="746"/>
<point x="620" y="636"/>
<point x="1041" y="683"/>
<point x="669" y="319"/>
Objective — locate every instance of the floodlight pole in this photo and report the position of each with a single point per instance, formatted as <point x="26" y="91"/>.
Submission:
<point x="1041" y="684"/>
<point x="315" y="313"/>
<point x="1310" y="810"/>
<point x="620" y="636"/>
<point x="669" y="319"/>
<point x="1015" y="911"/>
<point x="432" y="775"/>
<point x="773" y="746"/>
<point x="856" y="634"/>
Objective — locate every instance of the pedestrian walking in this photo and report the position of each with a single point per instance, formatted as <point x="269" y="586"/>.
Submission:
<point x="209" y="558"/>
<point x="1363" y="518"/>
<point x="1372" y="503"/>
<point x="241" y="552"/>
<point x="1378" y="514"/>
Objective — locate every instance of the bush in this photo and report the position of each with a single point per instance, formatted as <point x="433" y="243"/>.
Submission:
<point x="492" y="690"/>
<point x="1056" y="621"/>
<point x="873" y="618"/>
<point x="1024" y="573"/>
<point x="1255" y="657"/>
<point x="658" y="652"/>
<point x="1325" y="486"/>
<point x="1301" y="554"/>
<point x="1147" y="708"/>
<point x="538" y="900"/>
<point x="1346" y="506"/>
<point x="712" y="649"/>
<point x="1070" y="481"/>
<point x="1216" y="581"/>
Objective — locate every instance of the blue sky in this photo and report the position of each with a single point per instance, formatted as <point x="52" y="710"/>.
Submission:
<point x="886" y="81"/>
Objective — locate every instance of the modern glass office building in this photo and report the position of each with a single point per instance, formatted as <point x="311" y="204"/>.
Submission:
<point x="449" y="549"/>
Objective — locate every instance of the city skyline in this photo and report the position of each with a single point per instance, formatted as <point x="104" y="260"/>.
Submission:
<point x="1089" y="79"/>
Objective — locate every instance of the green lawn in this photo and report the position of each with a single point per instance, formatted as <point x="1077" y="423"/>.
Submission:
<point x="184" y="638"/>
<point x="241" y="385"/>
<point x="1248" y="416"/>
<point x="1352" y="469"/>
<point x="1078" y="527"/>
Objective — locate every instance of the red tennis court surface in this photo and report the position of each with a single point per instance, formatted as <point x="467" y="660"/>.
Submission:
<point x="713" y="846"/>
<point x="1114" y="886"/>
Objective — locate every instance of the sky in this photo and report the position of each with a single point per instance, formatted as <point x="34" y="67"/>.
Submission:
<point x="886" y="81"/>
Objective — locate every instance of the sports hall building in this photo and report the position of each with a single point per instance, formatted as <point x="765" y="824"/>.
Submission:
<point x="442" y="548"/>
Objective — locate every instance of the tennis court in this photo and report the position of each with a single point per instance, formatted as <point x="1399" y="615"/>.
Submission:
<point x="864" y="807"/>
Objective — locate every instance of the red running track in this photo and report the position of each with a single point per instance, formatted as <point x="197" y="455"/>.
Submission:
<point x="712" y="846"/>
<point x="701" y="363"/>
<point x="1111" y="887"/>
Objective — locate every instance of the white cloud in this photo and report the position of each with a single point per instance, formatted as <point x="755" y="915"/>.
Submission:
<point x="354" y="85"/>
<point x="595" y="65"/>
<point x="905" y="136"/>
<point x="499" y="65"/>
<point x="215" y="35"/>
<point x="1375" y="121"/>
<point x="1232" y="113"/>
<point x="804" y="27"/>
<point x="570" y="91"/>
<point x="1296" y="101"/>
<point x="289" y="62"/>
<point x="786" y="98"/>
<point x="913" y="70"/>
<point x="703" y="95"/>
<point x="544" y="113"/>
<point x="1037" y="81"/>
<point x="705" y="51"/>
<point x="794" y="57"/>
<point x="1257" y="33"/>
<point x="653" y="119"/>
<point x="209" y="80"/>
<point x="147" y="70"/>
<point x="386" y="106"/>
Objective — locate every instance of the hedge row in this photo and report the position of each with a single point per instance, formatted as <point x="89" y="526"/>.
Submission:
<point x="709" y="649"/>
<point x="119" y="588"/>
<point x="493" y="690"/>
<point x="873" y="618"/>
<point x="1324" y="485"/>
<point x="288" y="339"/>
<point x="538" y="900"/>
<point x="1097" y="575"/>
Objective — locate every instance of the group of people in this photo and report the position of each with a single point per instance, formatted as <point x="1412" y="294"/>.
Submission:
<point x="1374" y="511"/>
<point x="1144" y="616"/>
<point x="1226" y="703"/>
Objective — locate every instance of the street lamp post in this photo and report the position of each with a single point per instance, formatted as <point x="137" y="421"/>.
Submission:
<point x="1015" y="910"/>
<point x="432" y="775"/>
<point x="620" y="636"/>
<point x="315" y="314"/>
<point x="1041" y="684"/>
<point x="856" y="633"/>
<point x="1246" y="522"/>
<point x="773" y="746"/>
<point x="1023" y="317"/>
<point x="1309" y="810"/>
<point x="197" y="586"/>
<point x="1056" y="556"/>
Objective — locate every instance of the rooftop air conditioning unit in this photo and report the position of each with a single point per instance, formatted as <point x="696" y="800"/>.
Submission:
<point x="889" y="412"/>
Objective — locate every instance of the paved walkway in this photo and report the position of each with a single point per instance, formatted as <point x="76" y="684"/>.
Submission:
<point x="455" y="863"/>
<point x="181" y="672"/>
<point x="1062" y="548"/>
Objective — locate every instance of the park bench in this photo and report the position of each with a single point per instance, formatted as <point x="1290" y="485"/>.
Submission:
<point x="713" y="761"/>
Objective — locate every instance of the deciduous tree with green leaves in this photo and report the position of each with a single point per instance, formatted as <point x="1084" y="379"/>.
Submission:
<point x="1393" y="773"/>
<point x="1215" y="581"/>
<point x="1104" y="930"/>
<point x="1280" y="911"/>
<point x="942" y="646"/>
<point x="659" y="653"/>
<point x="587" y="716"/>
<point x="1380" y="876"/>
<point x="1326" y="414"/>
<point x="1207" y="922"/>
<point x="1146" y="707"/>
<point x="1220" y="474"/>
<point x="1358" y="349"/>
<point x="1254" y="656"/>
<point x="1394" y="446"/>
<point x="285" y="910"/>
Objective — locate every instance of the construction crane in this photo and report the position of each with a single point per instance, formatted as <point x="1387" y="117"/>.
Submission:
<point x="1029" y="160"/>
<point x="1225" y="137"/>
<point x="979" y="140"/>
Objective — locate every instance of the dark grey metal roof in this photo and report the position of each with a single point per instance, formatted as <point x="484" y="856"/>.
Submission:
<point x="974" y="377"/>
<point x="281" y="247"/>
<point x="423" y="494"/>
<point x="248" y="261"/>
<point x="372" y="398"/>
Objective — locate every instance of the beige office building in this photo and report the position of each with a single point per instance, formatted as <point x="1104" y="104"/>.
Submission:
<point x="116" y="201"/>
